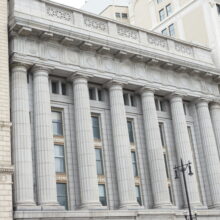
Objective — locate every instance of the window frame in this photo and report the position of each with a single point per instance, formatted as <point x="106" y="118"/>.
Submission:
<point x="162" y="14"/>
<point x="134" y="163"/>
<point x="61" y="134"/>
<point x="100" y="161"/>
<point x="60" y="158"/>
<point x="99" y="138"/>
<point x="164" y="32"/>
<point x="105" y="195"/>
<point x="66" y="194"/>
<point x="138" y="194"/>
<point x="169" y="9"/>
<point x="172" y="32"/>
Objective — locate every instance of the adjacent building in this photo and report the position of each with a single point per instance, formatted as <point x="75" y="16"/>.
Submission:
<point x="6" y="212"/>
<point x="101" y="114"/>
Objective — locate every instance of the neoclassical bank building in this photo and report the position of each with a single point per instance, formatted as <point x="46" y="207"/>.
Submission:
<point x="103" y="112"/>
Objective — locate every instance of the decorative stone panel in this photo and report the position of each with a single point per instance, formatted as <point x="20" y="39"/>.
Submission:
<point x="127" y="32"/>
<point x="59" y="13"/>
<point x="157" y="41"/>
<point x="95" y="24"/>
<point x="184" y="49"/>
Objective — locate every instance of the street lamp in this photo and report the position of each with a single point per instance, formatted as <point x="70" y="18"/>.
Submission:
<point x="183" y="168"/>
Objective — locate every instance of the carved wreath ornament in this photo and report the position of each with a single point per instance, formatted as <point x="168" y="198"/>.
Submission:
<point x="59" y="13"/>
<point x="95" y="24"/>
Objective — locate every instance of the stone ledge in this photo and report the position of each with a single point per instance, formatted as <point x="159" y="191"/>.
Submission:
<point x="6" y="169"/>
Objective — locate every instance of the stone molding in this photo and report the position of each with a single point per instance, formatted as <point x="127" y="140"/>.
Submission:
<point x="6" y="169"/>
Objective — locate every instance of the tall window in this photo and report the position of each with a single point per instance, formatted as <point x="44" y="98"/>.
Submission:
<point x="171" y="30"/>
<point x="159" y="103"/>
<point x="164" y="32"/>
<point x="162" y="14"/>
<point x="138" y="194"/>
<point x="171" y="194"/>
<point x="95" y="94"/>
<point x="57" y="123"/>
<point x="96" y="128"/>
<point x="63" y="87"/>
<point x="134" y="163"/>
<point x="59" y="158"/>
<point x="55" y="87"/>
<point x="162" y="135"/>
<point x="218" y="8"/>
<point x="99" y="162"/>
<point x="62" y="194"/>
<point x="130" y="131"/>
<point x="102" y="194"/>
<point x="169" y="9"/>
<point x="129" y="99"/>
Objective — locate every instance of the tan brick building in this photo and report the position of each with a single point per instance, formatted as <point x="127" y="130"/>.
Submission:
<point x="5" y="149"/>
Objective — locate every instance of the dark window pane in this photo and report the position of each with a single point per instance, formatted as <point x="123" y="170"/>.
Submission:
<point x="132" y="100"/>
<point x="99" y="162"/>
<point x="63" y="85"/>
<point x="55" y="87"/>
<point x="134" y="163"/>
<point x="162" y="135"/>
<point x="170" y="193"/>
<point x="102" y="195"/>
<point x="100" y="95"/>
<point x="62" y="194"/>
<point x="166" y="165"/>
<point x="130" y="131"/>
<point x="96" y="128"/>
<point x="124" y="15"/>
<point x="138" y="195"/>
<point x="117" y="15"/>
<point x="126" y="99"/>
<point x="218" y="8"/>
<point x="92" y="94"/>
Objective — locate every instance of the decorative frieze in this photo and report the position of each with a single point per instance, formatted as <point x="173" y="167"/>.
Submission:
<point x="184" y="49"/>
<point x="59" y="13"/>
<point x="157" y="41"/>
<point x="127" y="32"/>
<point x="95" y="24"/>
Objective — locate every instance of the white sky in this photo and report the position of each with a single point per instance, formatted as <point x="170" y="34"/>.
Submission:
<point x="73" y="3"/>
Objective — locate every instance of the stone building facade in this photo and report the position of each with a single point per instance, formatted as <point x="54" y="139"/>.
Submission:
<point x="5" y="146"/>
<point x="101" y="114"/>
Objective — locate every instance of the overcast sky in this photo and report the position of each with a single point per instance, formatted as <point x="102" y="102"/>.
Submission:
<point x="73" y="3"/>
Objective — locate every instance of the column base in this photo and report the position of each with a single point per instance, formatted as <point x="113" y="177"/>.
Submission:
<point x="164" y="206"/>
<point x="92" y="206"/>
<point x="130" y="206"/>
<point x="215" y="206"/>
<point x="196" y="206"/>
<point x="27" y="207"/>
<point x="52" y="207"/>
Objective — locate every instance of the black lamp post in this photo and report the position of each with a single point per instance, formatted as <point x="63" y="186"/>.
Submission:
<point x="183" y="168"/>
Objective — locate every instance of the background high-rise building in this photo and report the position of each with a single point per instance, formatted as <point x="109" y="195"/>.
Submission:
<point x="6" y="211"/>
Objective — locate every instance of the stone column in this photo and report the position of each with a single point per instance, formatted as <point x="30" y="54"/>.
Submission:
<point x="183" y="147"/>
<point x="155" y="151"/>
<point x="210" y="149"/>
<point x="44" y="149"/>
<point x="125" y="176"/>
<point x="215" y="116"/>
<point x="21" y="141"/>
<point x="85" y="145"/>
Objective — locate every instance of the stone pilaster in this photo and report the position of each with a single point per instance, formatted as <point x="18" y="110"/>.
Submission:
<point x="210" y="149"/>
<point x="215" y="116"/>
<point x="154" y="151"/>
<point x="21" y="141"/>
<point x="125" y="176"/>
<point x="44" y="149"/>
<point x="85" y="145"/>
<point x="183" y="147"/>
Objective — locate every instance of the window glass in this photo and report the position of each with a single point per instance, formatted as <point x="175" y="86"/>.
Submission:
<point x="164" y="32"/>
<point x="100" y="95"/>
<point x="99" y="162"/>
<point x="59" y="158"/>
<point x="134" y="163"/>
<point x="63" y="86"/>
<point x="169" y="9"/>
<point x="162" y="135"/>
<point x="171" y="30"/>
<point x="126" y="99"/>
<point x="162" y="14"/>
<point x="132" y="100"/>
<point x="218" y="8"/>
<point x="92" y="95"/>
<point x="170" y="193"/>
<point x="118" y="15"/>
<point x="138" y="195"/>
<point x="102" y="195"/>
<point x="124" y="15"/>
<point x="62" y="194"/>
<point x="130" y="131"/>
<point x="57" y="123"/>
<point x="55" y="87"/>
<point x="96" y="128"/>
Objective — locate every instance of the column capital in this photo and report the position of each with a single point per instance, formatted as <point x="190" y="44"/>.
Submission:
<point x="41" y="70"/>
<point x="21" y="67"/>
<point x="80" y="75"/>
<point x="215" y="104"/>
<point x="202" y="102"/>
<point x="176" y="95"/>
<point x="147" y="89"/>
<point x="115" y="82"/>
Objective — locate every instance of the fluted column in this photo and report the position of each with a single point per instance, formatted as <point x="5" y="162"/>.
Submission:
<point x="183" y="146"/>
<point x="85" y="145"/>
<point x="45" y="162"/>
<point x="215" y="116"/>
<point x="154" y="151"/>
<point x="21" y="142"/>
<point x="125" y="176"/>
<point x="210" y="150"/>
